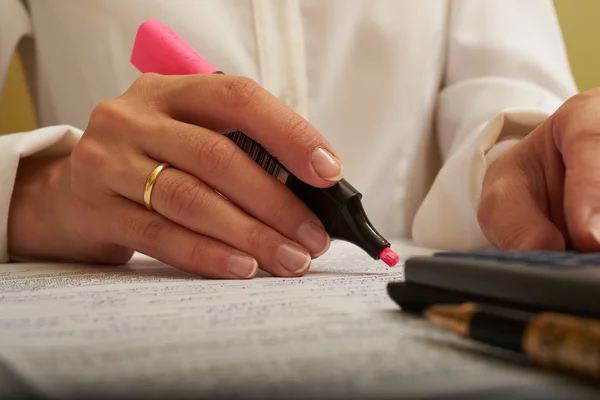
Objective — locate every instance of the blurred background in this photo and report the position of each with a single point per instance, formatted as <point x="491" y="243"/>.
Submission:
<point x="578" y="19"/>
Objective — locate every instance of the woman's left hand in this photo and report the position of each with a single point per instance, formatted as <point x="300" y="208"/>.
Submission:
<point x="544" y="193"/>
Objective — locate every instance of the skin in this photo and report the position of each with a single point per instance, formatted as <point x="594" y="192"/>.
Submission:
<point x="211" y="215"/>
<point x="544" y="193"/>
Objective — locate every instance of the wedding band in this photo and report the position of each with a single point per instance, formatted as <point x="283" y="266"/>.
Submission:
<point x="150" y="184"/>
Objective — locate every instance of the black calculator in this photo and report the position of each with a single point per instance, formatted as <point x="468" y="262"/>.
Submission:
<point x="566" y="282"/>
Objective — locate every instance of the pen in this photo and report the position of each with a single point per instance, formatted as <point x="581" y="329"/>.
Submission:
<point x="554" y="341"/>
<point x="158" y="49"/>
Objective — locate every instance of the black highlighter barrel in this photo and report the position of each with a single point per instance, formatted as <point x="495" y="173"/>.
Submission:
<point x="340" y="210"/>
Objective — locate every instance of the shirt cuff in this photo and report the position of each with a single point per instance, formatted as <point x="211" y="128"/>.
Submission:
<point x="49" y="141"/>
<point x="447" y="218"/>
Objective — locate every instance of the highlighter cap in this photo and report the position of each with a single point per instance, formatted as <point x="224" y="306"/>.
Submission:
<point x="342" y="214"/>
<point x="159" y="49"/>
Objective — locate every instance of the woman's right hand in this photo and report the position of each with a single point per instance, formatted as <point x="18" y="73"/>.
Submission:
<point x="216" y="212"/>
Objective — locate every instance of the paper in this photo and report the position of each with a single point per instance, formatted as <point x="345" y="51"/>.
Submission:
<point x="148" y="329"/>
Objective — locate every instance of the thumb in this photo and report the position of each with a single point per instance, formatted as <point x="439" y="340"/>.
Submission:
<point x="576" y="132"/>
<point x="513" y="211"/>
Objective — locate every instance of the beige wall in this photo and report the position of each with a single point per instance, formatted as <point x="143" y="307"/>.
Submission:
<point x="579" y="20"/>
<point x="16" y="113"/>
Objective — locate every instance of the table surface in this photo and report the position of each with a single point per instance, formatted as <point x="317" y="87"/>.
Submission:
<point x="149" y="330"/>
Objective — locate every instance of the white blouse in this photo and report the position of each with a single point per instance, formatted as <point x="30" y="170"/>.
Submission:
<point x="411" y="94"/>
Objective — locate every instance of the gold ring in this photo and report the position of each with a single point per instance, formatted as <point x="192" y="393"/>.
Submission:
<point x="150" y="184"/>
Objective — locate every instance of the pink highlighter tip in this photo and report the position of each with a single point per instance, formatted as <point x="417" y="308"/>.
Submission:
<point x="389" y="257"/>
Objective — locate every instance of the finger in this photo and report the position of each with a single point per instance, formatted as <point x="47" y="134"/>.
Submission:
<point x="513" y="216"/>
<point x="188" y="202"/>
<point x="227" y="103"/>
<point x="152" y="234"/>
<point x="576" y="132"/>
<point x="215" y="160"/>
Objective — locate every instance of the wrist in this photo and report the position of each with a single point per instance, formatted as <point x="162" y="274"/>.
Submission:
<point x="500" y="148"/>
<point x="35" y="226"/>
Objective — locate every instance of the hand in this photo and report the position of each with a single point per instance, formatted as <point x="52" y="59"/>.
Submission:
<point x="216" y="212"/>
<point x="544" y="193"/>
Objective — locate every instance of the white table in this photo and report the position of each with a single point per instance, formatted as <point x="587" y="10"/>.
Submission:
<point x="148" y="330"/>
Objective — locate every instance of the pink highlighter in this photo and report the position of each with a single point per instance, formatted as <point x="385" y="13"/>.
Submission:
<point x="158" y="49"/>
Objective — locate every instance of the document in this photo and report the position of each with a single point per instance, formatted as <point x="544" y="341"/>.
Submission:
<point x="149" y="330"/>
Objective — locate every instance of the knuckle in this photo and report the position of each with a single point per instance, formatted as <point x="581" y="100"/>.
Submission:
<point x="494" y="216"/>
<point x="90" y="165"/>
<point x="298" y="130"/>
<point x="256" y="235"/>
<point x="148" y="80"/>
<point x="197" y="253"/>
<point x="571" y="120"/>
<point x="151" y="232"/>
<point x="483" y="214"/>
<point x="110" y="113"/>
<point x="526" y="174"/>
<point x="580" y="98"/>
<point x="111" y="254"/>
<point x="493" y="201"/>
<point x="148" y="89"/>
<point x="512" y="236"/>
<point x="185" y="199"/>
<point x="122" y="118"/>
<point x="241" y="91"/>
<point x="280" y="212"/>
<point x="216" y="157"/>
<point x="88" y="155"/>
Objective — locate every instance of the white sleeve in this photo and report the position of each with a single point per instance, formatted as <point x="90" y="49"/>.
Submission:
<point x="507" y="71"/>
<point x="14" y="25"/>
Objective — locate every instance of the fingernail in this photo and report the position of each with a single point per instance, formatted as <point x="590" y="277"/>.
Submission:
<point x="242" y="266"/>
<point x="292" y="259"/>
<point x="594" y="225"/>
<point x="326" y="165"/>
<point x="313" y="238"/>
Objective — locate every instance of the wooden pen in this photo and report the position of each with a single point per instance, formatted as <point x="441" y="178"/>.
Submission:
<point x="554" y="341"/>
